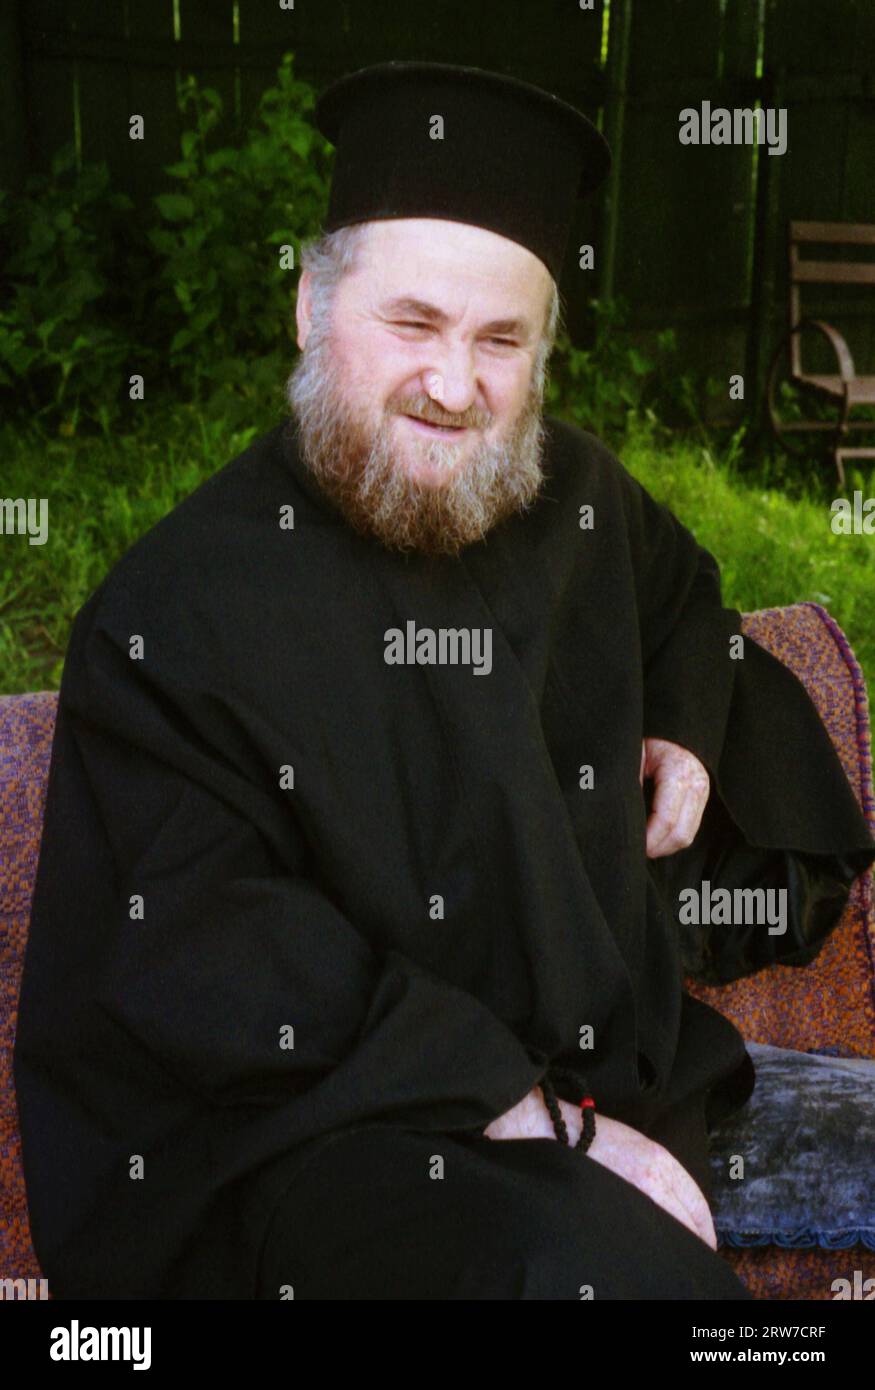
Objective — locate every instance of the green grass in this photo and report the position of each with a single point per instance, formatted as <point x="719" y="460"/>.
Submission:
<point x="772" y="549"/>
<point x="104" y="493"/>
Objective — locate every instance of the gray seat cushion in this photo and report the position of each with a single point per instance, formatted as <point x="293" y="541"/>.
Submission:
<point x="807" y="1137"/>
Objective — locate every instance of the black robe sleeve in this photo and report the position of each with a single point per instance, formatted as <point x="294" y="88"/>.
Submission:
<point x="781" y="812"/>
<point x="238" y="941"/>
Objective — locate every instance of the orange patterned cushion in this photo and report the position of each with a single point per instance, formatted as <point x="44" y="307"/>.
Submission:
<point x="26" y="726"/>
<point x="831" y="1002"/>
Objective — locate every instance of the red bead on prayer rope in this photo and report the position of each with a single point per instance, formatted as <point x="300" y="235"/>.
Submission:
<point x="587" y="1100"/>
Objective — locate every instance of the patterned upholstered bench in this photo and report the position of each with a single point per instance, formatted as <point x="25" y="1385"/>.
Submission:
<point x="826" y="1010"/>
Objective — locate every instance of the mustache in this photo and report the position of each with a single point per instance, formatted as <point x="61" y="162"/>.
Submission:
<point x="424" y="408"/>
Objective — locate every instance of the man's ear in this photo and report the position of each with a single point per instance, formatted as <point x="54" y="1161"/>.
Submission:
<point x="303" y="309"/>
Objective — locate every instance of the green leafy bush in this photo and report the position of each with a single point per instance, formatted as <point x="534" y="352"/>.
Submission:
<point x="196" y="300"/>
<point x="224" y="300"/>
<point x="60" y="349"/>
<point x="603" y="388"/>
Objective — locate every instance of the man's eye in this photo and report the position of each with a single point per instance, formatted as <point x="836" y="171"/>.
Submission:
<point x="404" y="323"/>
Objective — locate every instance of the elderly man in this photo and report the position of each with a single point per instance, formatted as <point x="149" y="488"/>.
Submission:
<point x="379" y="768"/>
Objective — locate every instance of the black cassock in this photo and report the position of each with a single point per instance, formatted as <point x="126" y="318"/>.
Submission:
<point x="290" y="811"/>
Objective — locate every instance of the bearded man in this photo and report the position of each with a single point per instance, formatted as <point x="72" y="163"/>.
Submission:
<point x="373" y="982"/>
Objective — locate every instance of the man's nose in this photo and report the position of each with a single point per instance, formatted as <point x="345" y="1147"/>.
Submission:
<point x="451" y="381"/>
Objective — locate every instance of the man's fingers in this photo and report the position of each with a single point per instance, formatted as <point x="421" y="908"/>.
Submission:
<point x="673" y="1179"/>
<point x="678" y="807"/>
<point x="700" y="1214"/>
<point x="667" y="1198"/>
<point x="684" y="830"/>
<point x="660" y="837"/>
<point x="666" y="810"/>
<point x="690" y="1193"/>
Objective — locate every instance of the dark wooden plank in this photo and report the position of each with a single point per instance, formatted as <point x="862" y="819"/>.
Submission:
<point x="843" y="233"/>
<point x="675" y="38"/>
<point x="268" y="26"/>
<point x="50" y="109"/>
<point x="612" y="125"/>
<point x="14" y="147"/>
<point x="48" y="82"/>
<point x="159" y="51"/>
<point x="685" y="213"/>
<point x="808" y="36"/>
<point x="45" y="16"/>
<point x="740" y="47"/>
<point x="339" y="37"/>
<point x="859" y="204"/>
<point x="835" y="273"/>
<point x="829" y="168"/>
<point x="448" y="31"/>
<point x="739" y="39"/>
<point x="558" y="49"/>
<point x="210" y="24"/>
<point x="104" y="95"/>
<point x="94" y="19"/>
<point x="683" y="210"/>
<point x="311" y="37"/>
<point x="811" y="182"/>
<point x="810" y="41"/>
<point x="305" y="31"/>
<point x="152" y="94"/>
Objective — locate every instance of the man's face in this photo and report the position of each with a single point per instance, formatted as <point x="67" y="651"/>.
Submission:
<point x="416" y="402"/>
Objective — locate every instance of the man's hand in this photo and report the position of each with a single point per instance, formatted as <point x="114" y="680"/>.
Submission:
<point x="682" y="787"/>
<point x="631" y="1155"/>
<point x="649" y="1167"/>
<point x="528" y="1119"/>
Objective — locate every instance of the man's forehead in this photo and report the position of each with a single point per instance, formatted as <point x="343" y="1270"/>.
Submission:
<point x="429" y="260"/>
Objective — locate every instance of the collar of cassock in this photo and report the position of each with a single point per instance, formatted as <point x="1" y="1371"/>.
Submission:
<point x="297" y="465"/>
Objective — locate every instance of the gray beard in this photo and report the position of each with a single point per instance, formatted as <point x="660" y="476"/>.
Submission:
<point x="358" y="469"/>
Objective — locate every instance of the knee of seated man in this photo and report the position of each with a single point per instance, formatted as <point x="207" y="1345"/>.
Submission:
<point x="566" y="1226"/>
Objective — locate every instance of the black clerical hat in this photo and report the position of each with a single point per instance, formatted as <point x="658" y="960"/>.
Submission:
<point x="513" y="158"/>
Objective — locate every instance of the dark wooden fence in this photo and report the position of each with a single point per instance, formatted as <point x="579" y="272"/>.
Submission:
<point x="693" y="237"/>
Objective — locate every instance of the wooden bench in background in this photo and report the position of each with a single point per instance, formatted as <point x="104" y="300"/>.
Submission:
<point x="841" y="391"/>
